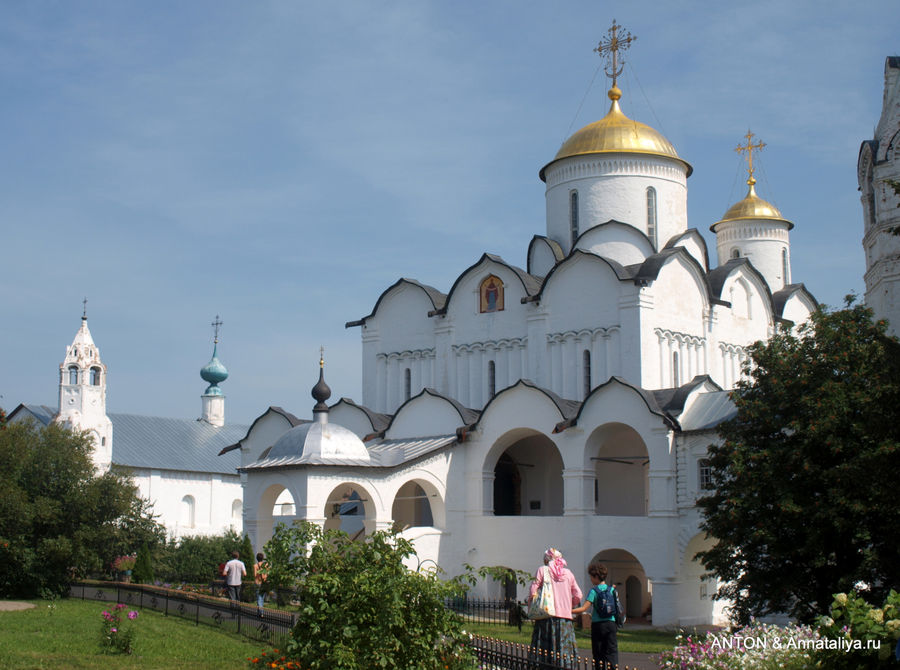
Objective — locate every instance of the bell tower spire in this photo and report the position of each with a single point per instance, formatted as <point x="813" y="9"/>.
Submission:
<point x="214" y="373"/>
<point x="82" y="393"/>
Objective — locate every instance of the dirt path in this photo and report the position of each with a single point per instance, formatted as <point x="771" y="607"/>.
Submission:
<point x="13" y="606"/>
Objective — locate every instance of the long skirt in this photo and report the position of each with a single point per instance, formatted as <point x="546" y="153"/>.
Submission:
<point x="554" y="636"/>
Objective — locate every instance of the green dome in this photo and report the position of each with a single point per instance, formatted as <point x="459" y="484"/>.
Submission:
<point x="214" y="373"/>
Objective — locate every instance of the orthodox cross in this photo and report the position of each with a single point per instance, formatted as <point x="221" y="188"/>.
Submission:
<point x="749" y="147"/>
<point x="84" y="313"/>
<point x="618" y="41"/>
<point x="321" y="357"/>
<point x="215" y="324"/>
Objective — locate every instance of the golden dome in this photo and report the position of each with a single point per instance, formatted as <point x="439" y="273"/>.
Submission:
<point x="616" y="133"/>
<point x="752" y="207"/>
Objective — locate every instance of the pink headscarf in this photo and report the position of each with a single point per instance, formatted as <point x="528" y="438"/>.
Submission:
<point x="555" y="562"/>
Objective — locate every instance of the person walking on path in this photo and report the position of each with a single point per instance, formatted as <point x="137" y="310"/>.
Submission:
<point x="556" y="634"/>
<point x="235" y="571"/>
<point x="260" y="575"/>
<point x="604" y="601"/>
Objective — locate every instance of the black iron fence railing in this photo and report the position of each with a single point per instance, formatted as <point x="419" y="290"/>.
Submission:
<point x="266" y="625"/>
<point x="477" y="610"/>
<point x="499" y="654"/>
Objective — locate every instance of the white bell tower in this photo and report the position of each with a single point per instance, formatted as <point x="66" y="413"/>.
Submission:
<point x="82" y="393"/>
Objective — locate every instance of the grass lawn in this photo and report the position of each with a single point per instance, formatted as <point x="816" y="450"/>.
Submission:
<point x="67" y="637"/>
<point x="637" y="640"/>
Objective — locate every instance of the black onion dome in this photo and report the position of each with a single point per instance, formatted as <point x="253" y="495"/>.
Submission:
<point x="321" y="392"/>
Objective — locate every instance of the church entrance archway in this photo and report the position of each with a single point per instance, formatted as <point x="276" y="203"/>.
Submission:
<point x="695" y="593"/>
<point x="627" y="574"/>
<point x="621" y="470"/>
<point x="349" y="508"/>
<point x="527" y="477"/>
<point x="417" y="504"/>
<point x="276" y="505"/>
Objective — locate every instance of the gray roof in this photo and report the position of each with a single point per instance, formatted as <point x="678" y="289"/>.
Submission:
<point x="708" y="411"/>
<point x="382" y="454"/>
<point x="41" y="413"/>
<point x="174" y="444"/>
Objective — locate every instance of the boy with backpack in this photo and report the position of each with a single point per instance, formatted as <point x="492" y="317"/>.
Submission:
<point x="606" y="616"/>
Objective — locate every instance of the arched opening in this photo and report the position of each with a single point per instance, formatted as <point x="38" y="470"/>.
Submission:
<point x="349" y="508"/>
<point x="73" y="374"/>
<point x="573" y="216"/>
<point x="412" y="507"/>
<point x="528" y="478"/>
<point x="95" y="376"/>
<point x="785" y="267"/>
<point x="586" y="373"/>
<point x="276" y="505"/>
<point x="187" y="512"/>
<point x="621" y="470"/>
<point x="492" y="379"/>
<point x="627" y="574"/>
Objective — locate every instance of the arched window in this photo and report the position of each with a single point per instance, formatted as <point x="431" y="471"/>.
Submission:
<point x="73" y="374"/>
<point x="573" y="215"/>
<point x="676" y="377"/>
<point x="651" y="215"/>
<point x="586" y="374"/>
<point x="407" y="384"/>
<point x="237" y="511"/>
<point x="491" y="295"/>
<point x="95" y="376"/>
<point x="735" y="253"/>
<point x="492" y="379"/>
<point x="187" y="512"/>
<point x="785" y="269"/>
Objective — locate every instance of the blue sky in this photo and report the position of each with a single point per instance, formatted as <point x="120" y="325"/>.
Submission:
<point x="281" y="163"/>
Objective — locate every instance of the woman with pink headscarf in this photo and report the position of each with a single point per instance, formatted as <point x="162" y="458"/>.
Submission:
<point x="556" y="634"/>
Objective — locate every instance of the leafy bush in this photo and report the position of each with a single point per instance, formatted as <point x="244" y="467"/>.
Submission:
<point x="143" y="568"/>
<point x="195" y="559"/>
<point x="869" y="634"/>
<point x="360" y="607"/>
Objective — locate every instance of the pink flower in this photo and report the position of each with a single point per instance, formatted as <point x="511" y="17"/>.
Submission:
<point x="132" y="614"/>
<point x="113" y="630"/>
<point x="120" y="606"/>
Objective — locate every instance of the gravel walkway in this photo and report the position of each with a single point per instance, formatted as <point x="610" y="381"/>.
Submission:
<point x="13" y="606"/>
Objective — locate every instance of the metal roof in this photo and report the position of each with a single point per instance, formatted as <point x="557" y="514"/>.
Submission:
<point x="188" y="445"/>
<point x="383" y="454"/>
<point x="707" y="411"/>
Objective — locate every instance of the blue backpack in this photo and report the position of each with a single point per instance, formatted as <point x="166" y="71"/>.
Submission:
<point x="606" y="604"/>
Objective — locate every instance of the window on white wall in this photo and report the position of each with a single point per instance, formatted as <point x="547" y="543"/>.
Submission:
<point x="407" y="384"/>
<point x="586" y="372"/>
<point x="73" y="374"/>
<point x="785" y="270"/>
<point x="187" y="512"/>
<point x="651" y="215"/>
<point x="573" y="215"/>
<point x="492" y="379"/>
<point x="237" y="510"/>
<point x="95" y="376"/>
<point x="676" y="377"/>
<point x="704" y="474"/>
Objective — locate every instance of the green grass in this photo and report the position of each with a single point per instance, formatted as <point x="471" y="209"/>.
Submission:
<point x="641" y="640"/>
<point x="67" y="637"/>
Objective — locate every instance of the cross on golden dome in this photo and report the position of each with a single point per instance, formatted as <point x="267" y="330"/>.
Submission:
<point x="618" y="41"/>
<point x="749" y="147"/>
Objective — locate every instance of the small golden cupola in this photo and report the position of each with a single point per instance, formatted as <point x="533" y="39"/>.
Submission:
<point x="616" y="169"/>
<point x="755" y="229"/>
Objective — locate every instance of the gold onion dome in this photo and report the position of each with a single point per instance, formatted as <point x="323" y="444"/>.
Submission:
<point x="616" y="133"/>
<point x="752" y="207"/>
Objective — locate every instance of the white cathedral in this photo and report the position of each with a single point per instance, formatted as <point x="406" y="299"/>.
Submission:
<point x="569" y="403"/>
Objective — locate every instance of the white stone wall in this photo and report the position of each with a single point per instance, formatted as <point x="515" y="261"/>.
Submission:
<point x="614" y="186"/>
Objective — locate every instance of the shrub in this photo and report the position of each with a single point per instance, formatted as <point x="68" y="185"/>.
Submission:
<point x="143" y="567"/>
<point x="869" y="634"/>
<point x="360" y="607"/>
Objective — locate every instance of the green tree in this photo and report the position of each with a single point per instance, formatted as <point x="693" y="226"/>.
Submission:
<point x="143" y="569"/>
<point x="247" y="554"/>
<point x="56" y="516"/>
<point x="360" y="606"/>
<point x="805" y="478"/>
<point x="196" y="559"/>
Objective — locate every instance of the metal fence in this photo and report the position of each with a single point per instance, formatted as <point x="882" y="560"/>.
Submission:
<point x="265" y="625"/>
<point x="477" y="610"/>
<point x="495" y="654"/>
